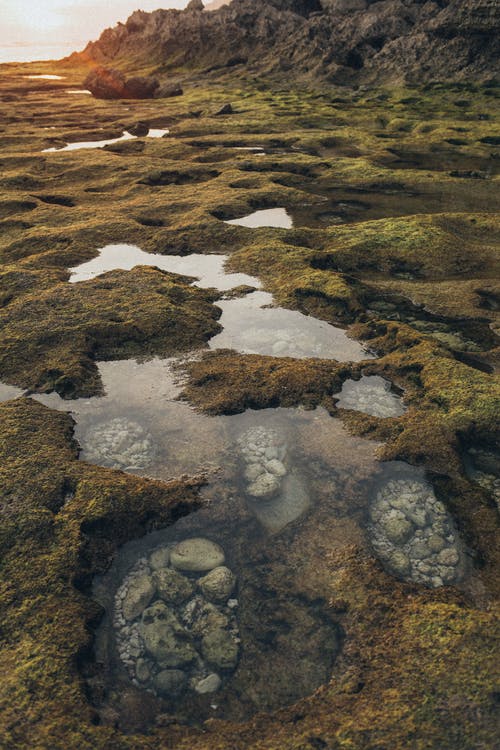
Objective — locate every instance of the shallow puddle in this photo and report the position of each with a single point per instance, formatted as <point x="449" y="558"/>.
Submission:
<point x="78" y="91"/>
<point x="108" y="142"/>
<point x="209" y="617"/>
<point x="372" y="395"/>
<point x="207" y="269"/>
<point x="9" y="391"/>
<point x="268" y="217"/>
<point x="251" y="326"/>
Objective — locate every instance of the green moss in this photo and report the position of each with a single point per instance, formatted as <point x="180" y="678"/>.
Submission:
<point x="50" y="339"/>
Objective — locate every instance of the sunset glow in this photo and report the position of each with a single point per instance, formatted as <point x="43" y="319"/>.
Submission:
<point x="49" y="22"/>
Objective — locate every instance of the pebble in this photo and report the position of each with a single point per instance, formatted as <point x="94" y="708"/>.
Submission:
<point x="209" y="684"/>
<point x="197" y="554"/>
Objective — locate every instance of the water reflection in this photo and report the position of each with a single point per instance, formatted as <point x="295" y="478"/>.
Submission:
<point x="207" y="269"/>
<point x="371" y="395"/>
<point x="251" y="326"/>
<point x="126" y="136"/>
<point x="269" y="217"/>
<point x="9" y="391"/>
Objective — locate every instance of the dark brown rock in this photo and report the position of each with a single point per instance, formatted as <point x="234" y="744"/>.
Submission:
<point x="167" y="90"/>
<point x="225" y="110"/>
<point x="108" y="83"/>
<point x="343" y="41"/>
<point x="139" y="128"/>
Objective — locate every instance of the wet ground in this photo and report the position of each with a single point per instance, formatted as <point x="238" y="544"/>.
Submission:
<point x="290" y="590"/>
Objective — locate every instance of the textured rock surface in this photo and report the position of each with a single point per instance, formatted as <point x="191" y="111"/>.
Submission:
<point x="343" y="40"/>
<point x="172" y="630"/>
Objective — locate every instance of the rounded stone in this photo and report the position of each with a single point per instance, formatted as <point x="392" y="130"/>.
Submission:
<point x="264" y="486"/>
<point x="171" y="586"/>
<point x="165" y="638"/>
<point x="170" y="683"/>
<point x="220" y="648"/>
<point x="197" y="555"/>
<point x="218" y="584"/>
<point x="209" y="684"/>
<point x="276" y="467"/>
<point x="140" y="591"/>
<point x="398" y="530"/>
<point x="399" y="563"/>
<point x="160" y="558"/>
<point x="448" y="556"/>
<point x="436" y="543"/>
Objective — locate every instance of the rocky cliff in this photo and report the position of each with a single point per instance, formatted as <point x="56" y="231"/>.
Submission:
<point x="343" y="41"/>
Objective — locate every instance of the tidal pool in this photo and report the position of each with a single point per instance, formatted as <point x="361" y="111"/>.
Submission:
<point x="250" y="323"/>
<point x="126" y="136"/>
<point x="225" y="613"/>
<point x="268" y="217"/>
<point x="207" y="269"/>
<point x="252" y="326"/>
<point x="78" y="91"/>
<point x="372" y="395"/>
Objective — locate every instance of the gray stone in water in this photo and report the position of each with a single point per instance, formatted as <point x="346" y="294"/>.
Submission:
<point x="140" y="590"/>
<point x="165" y="638"/>
<point x="219" y="647"/>
<point x="209" y="684"/>
<point x="160" y="558"/>
<point x="170" y="683"/>
<point x="218" y="584"/>
<point x="398" y="529"/>
<point x="197" y="555"/>
<point x="276" y="467"/>
<point x="265" y="486"/>
<point x="292" y="502"/>
<point x="171" y="586"/>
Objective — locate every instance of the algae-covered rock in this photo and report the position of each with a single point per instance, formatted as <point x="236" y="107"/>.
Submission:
<point x="218" y="585"/>
<point x="171" y="586"/>
<point x="165" y="638"/>
<point x="140" y="591"/>
<point x="197" y="554"/>
<point x="220" y="648"/>
<point x="170" y="683"/>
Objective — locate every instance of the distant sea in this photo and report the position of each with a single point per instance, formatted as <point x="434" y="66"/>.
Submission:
<point x="35" y="52"/>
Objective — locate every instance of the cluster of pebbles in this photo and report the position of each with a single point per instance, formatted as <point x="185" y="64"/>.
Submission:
<point x="371" y="395"/>
<point x="277" y="494"/>
<point x="175" y="621"/>
<point x="413" y="534"/>
<point x="119" y="443"/>
<point x="264" y="456"/>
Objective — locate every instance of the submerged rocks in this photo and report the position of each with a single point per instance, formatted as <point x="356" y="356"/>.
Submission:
<point x="263" y="454"/>
<point x="119" y="443"/>
<point x="371" y="395"/>
<point x="413" y="534"/>
<point x="276" y="494"/>
<point x="176" y="631"/>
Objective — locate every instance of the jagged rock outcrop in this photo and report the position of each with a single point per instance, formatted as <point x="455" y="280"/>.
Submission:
<point x="344" y="41"/>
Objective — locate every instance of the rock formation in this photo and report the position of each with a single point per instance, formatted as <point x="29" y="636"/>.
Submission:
<point x="343" y="41"/>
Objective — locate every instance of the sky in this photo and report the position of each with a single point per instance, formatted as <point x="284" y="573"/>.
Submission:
<point x="73" y="22"/>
